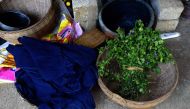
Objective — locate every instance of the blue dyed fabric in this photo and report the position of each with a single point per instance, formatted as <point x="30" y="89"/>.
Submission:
<point x="55" y="76"/>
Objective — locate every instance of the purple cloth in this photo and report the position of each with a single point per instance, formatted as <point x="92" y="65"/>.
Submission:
<point x="55" y="76"/>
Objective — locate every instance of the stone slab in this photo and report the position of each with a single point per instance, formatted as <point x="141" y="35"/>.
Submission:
<point x="86" y="12"/>
<point x="167" y="25"/>
<point x="170" y="9"/>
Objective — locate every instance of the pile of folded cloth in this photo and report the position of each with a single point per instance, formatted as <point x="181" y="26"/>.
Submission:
<point x="7" y="64"/>
<point x="53" y="75"/>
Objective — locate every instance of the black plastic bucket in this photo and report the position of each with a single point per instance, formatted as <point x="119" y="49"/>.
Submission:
<point x="13" y="20"/>
<point x="124" y="14"/>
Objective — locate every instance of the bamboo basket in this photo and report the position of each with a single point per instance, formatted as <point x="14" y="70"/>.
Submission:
<point x="161" y="87"/>
<point x="41" y="13"/>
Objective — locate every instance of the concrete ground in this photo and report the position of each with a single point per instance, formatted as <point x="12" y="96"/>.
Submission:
<point x="180" y="99"/>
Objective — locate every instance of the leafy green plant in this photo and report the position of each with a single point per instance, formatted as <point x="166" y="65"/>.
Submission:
<point x="142" y="48"/>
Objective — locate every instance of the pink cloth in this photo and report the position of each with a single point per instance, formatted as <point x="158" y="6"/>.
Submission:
<point x="7" y="75"/>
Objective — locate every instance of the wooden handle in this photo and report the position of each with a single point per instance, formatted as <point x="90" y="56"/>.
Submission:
<point x="142" y="108"/>
<point x="91" y="39"/>
<point x="135" y="68"/>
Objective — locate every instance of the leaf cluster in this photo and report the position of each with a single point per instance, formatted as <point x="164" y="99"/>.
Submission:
<point x="142" y="48"/>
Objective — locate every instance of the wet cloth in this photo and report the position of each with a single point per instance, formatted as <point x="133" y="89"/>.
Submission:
<point x="55" y="76"/>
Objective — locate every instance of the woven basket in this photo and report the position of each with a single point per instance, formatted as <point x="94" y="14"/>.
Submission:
<point x="161" y="88"/>
<point x="41" y="13"/>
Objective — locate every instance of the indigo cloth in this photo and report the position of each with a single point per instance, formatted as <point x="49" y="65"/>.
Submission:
<point x="55" y="76"/>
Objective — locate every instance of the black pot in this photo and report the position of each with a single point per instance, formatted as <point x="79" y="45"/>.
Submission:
<point x="186" y="2"/>
<point x="124" y="14"/>
<point x="186" y="11"/>
<point x="13" y="20"/>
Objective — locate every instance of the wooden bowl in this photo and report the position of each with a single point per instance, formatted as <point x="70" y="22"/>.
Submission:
<point x="41" y="13"/>
<point x="162" y="87"/>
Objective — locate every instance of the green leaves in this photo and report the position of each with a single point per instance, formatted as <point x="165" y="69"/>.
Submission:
<point x="142" y="48"/>
<point x="157" y="70"/>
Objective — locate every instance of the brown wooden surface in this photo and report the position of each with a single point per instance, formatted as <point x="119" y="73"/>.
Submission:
<point x="92" y="38"/>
